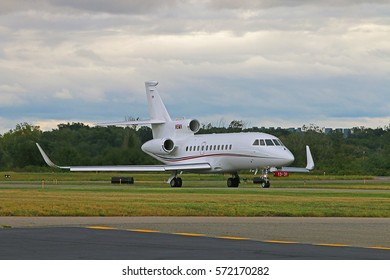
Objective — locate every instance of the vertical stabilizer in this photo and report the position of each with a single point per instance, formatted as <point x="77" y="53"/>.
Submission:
<point x="158" y="112"/>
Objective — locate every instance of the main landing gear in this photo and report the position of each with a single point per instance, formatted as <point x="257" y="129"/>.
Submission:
<point x="233" y="181"/>
<point x="174" y="181"/>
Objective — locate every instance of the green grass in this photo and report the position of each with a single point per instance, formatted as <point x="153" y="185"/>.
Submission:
<point x="106" y="200"/>
<point x="91" y="194"/>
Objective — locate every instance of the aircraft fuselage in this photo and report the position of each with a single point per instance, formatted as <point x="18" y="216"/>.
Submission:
<point x="226" y="152"/>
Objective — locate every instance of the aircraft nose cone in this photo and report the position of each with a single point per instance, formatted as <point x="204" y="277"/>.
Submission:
<point x="289" y="157"/>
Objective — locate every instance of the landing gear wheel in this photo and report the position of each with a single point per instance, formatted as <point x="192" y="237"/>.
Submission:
<point x="176" y="182"/>
<point x="265" y="184"/>
<point x="233" y="182"/>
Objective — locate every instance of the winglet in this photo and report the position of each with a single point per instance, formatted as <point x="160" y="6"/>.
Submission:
<point x="47" y="159"/>
<point x="309" y="159"/>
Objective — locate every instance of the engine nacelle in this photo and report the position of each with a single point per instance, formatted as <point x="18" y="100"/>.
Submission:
<point x="193" y="125"/>
<point x="186" y="126"/>
<point x="159" y="146"/>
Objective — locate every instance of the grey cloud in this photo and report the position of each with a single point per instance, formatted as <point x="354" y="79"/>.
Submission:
<point x="282" y="60"/>
<point x="103" y="6"/>
<point x="266" y="4"/>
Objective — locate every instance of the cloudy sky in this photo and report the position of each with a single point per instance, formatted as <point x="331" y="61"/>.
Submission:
<point x="269" y="62"/>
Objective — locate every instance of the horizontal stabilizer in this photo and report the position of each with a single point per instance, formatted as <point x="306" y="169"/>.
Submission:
<point x="128" y="123"/>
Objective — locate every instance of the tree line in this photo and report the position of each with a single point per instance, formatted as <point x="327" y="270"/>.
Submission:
<point x="365" y="151"/>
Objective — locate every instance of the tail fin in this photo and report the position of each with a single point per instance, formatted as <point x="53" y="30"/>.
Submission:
<point x="157" y="110"/>
<point x="162" y="126"/>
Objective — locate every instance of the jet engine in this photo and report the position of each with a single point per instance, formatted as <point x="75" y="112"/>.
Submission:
<point x="159" y="146"/>
<point x="194" y="125"/>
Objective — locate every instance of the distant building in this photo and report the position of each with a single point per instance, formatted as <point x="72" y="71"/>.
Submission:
<point x="328" y="130"/>
<point x="347" y="132"/>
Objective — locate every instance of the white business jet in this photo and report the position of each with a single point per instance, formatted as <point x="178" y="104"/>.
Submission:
<point x="176" y="145"/>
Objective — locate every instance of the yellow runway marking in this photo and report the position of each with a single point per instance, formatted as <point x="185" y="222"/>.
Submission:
<point x="233" y="238"/>
<point x="143" y="230"/>
<point x="379" y="248"/>
<point x="332" y="245"/>
<point x="281" y="242"/>
<point x="189" y="234"/>
<point x="101" y="227"/>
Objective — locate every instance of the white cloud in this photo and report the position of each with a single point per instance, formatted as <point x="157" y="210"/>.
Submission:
<point x="63" y="94"/>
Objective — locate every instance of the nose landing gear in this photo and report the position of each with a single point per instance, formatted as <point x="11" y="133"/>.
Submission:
<point x="263" y="180"/>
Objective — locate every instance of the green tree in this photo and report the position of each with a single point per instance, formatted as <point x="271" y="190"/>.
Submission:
<point x="18" y="145"/>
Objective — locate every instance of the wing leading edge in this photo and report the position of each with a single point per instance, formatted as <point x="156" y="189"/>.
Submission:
<point x="127" y="168"/>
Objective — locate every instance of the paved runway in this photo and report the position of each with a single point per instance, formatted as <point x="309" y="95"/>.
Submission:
<point x="193" y="238"/>
<point x="107" y="244"/>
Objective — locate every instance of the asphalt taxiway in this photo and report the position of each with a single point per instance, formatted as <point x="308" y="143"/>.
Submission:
<point x="107" y="244"/>
<point x="194" y="238"/>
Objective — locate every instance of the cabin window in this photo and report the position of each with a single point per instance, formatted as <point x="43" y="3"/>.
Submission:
<point x="256" y="143"/>
<point x="219" y="147"/>
<point x="198" y="148"/>
<point x="276" y="142"/>
<point x="215" y="147"/>
<point x="262" y="142"/>
<point x="187" y="149"/>
<point x="230" y="147"/>
<point x="269" y="142"/>
<point x="226" y="147"/>
<point x="207" y="148"/>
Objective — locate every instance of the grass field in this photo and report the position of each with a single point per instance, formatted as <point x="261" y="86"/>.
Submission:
<point x="86" y="194"/>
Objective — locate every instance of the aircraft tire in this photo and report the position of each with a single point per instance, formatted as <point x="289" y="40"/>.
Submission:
<point x="265" y="184"/>
<point x="233" y="182"/>
<point x="176" y="182"/>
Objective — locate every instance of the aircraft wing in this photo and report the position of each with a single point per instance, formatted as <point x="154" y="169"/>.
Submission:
<point x="128" y="123"/>
<point x="128" y="168"/>
<point x="308" y="168"/>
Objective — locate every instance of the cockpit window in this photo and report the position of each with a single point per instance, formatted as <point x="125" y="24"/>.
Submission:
<point x="269" y="142"/>
<point x="276" y="142"/>
<point x="256" y="143"/>
<point x="262" y="142"/>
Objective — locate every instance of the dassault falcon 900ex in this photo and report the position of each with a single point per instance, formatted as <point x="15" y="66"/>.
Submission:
<point x="175" y="144"/>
